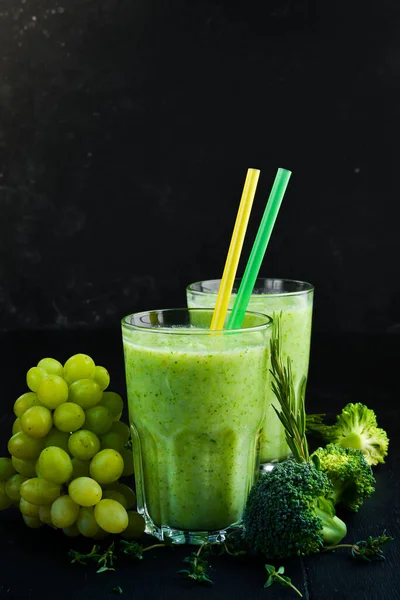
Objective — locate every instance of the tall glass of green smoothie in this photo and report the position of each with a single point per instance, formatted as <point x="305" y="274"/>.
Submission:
<point x="293" y="300"/>
<point x="197" y="405"/>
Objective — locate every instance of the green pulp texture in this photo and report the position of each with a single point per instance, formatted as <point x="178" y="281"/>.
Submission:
<point x="196" y="407"/>
<point x="296" y="317"/>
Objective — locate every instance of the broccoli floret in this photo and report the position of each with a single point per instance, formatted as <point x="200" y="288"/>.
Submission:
<point x="350" y="474"/>
<point x="287" y="512"/>
<point x="355" y="427"/>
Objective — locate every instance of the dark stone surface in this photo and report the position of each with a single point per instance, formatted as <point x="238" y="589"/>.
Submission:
<point x="126" y="129"/>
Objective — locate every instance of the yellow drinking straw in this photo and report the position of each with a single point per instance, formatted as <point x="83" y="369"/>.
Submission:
<point x="235" y="248"/>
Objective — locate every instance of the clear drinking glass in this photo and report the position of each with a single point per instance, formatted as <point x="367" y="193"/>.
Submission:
<point x="293" y="300"/>
<point x="196" y="404"/>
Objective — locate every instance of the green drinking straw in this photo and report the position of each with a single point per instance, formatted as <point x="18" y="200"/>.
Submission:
<point x="259" y="247"/>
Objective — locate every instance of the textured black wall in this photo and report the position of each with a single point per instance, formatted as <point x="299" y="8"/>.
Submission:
<point x="127" y="126"/>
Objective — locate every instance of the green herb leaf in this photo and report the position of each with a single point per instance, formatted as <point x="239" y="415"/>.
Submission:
<point x="278" y="577"/>
<point x="269" y="581"/>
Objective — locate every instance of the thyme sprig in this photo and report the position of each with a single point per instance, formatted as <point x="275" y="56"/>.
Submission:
<point x="277" y="576"/>
<point x="198" y="564"/>
<point x="366" y="550"/>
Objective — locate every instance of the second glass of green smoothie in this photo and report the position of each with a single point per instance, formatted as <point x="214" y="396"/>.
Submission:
<point x="293" y="301"/>
<point x="196" y="402"/>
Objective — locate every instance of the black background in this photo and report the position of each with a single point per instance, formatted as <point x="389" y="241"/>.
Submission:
<point x="127" y="127"/>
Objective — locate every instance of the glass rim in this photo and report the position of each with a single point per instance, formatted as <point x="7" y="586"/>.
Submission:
<point x="266" y="324"/>
<point x="309" y="288"/>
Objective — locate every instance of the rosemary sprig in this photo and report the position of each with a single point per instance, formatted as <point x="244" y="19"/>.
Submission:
<point x="278" y="577"/>
<point x="366" y="550"/>
<point x="292" y="412"/>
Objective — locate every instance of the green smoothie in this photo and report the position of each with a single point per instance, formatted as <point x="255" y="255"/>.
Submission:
<point x="294" y="302"/>
<point x="197" y="405"/>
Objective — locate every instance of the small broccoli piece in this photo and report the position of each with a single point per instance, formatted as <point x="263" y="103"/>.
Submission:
<point x="350" y="474"/>
<point x="355" y="427"/>
<point x="287" y="512"/>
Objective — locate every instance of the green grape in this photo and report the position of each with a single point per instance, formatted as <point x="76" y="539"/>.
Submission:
<point x="114" y="495"/>
<point x="80" y="468"/>
<point x="113" y="402"/>
<point x="102" y="377"/>
<point x="85" y="392"/>
<point x="45" y="514"/>
<point x="39" y="491"/>
<point x="56" y="437"/>
<point x="85" y="491"/>
<point x="83" y="444"/>
<point x="24" y="467"/>
<point x="122" y="429"/>
<point x="125" y="490"/>
<point x="79" y="366"/>
<point x="23" y="446"/>
<point x="106" y="466"/>
<point x="34" y="378"/>
<point x="28" y="509"/>
<point x="136" y="526"/>
<point x="113" y="441"/>
<point x="5" y="500"/>
<point x="98" y="419"/>
<point x="7" y="469"/>
<point x="16" y="428"/>
<point x="111" y="516"/>
<point x="71" y="531"/>
<point x="53" y="391"/>
<point x="24" y="402"/>
<point x="64" y="512"/>
<point x="100" y="535"/>
<point x="54" y="465"/>
<point x="68" y="417"/>
<point x="37" y="421"/>
<point x="51" y="366"/>
<point x="13" y="487"/>
<point x="127" y="456"/>
<point x="86" y="523"/>
<point x="32" y="522"/>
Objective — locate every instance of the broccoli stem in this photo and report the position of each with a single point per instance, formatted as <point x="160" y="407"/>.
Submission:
<point x="352" y="440"/>
<point x="339" y="491"/>
<point x="333" y="528"/>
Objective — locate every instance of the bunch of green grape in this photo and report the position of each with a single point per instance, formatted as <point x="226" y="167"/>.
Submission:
<point x="68" y="451"/>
